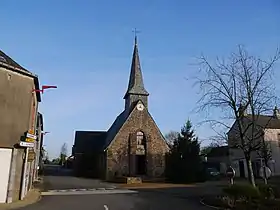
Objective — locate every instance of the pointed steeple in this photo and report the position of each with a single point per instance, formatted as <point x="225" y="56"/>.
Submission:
<point x="136" y="84"/>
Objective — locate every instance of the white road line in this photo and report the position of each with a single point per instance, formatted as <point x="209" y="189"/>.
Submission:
<point x="90" y="192"/>
<point x="106" y="207"/>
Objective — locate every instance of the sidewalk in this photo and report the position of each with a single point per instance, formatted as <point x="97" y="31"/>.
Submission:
<point x="32" y="196"/>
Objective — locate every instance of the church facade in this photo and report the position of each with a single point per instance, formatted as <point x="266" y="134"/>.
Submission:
<point x="132" y="146"/>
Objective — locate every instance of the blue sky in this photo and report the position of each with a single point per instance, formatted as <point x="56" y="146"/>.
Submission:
<point x="85" y="47"/>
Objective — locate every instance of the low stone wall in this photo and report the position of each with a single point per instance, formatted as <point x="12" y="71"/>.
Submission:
<point x="128" y="180"/>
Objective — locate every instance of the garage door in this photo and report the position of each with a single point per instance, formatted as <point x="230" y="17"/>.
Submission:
<point x="5" y="162"/>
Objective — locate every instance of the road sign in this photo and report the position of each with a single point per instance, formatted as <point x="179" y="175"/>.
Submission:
<point x="26" y="144"/>
<point x="31" y="136"/>
<point x="29" y="140"/>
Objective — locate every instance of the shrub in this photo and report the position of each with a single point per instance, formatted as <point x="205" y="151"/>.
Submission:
<point x="268" y="191"/>
<point x="242" y="191"/>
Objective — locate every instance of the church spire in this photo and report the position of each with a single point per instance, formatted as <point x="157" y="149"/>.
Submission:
<point x="136" y="84"/>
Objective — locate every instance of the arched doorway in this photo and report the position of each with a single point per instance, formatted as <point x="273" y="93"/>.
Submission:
<point x="140" y="158"/>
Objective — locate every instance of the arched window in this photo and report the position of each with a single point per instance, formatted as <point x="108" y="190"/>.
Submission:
<point x="140" y="138"/>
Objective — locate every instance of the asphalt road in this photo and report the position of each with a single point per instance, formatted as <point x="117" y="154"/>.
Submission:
<point x="59" y="178"/>
<point x="137" y="201"/>
<point x="62" y="191"/>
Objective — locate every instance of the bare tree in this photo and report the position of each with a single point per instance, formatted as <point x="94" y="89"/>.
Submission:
<point x="171" y="136"/>
<point x="265" y="153"/>
<point x="241" y="89"/>
<point x="218" y="140"/>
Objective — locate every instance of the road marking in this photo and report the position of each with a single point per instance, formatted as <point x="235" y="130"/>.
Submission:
<point x="81" y="189"/>
<point x="106" y="207"/>
<point x="89" y="192"/>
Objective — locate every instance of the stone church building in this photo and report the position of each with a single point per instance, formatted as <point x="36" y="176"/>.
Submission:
<point x="133" y="145"/>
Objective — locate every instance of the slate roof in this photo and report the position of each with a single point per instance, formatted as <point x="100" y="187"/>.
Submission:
<point x="263" y="122"/>
<point x="4" y="58"/>
<point x="115" y="127"/>
<point x="266" y="121"/>
<point x="136" y="84"/>
<point x="89" y="141"/>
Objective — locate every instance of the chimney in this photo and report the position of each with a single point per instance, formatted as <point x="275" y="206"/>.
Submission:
<point x="276" y="113"/>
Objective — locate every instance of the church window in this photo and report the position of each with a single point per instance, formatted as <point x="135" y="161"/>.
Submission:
<point x="140" y="138"/>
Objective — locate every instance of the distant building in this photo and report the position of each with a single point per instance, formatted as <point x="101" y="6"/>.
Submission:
<point x="18" y="111"/>
<point x="133" y="145"/>
<point x="270" y="126"/>
<point x="218" y="158"/>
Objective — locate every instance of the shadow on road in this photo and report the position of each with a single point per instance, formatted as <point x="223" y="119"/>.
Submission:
<point x="56" y="170"/>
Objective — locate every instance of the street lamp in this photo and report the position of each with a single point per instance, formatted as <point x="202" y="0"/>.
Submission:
<point x="44" y="133"/>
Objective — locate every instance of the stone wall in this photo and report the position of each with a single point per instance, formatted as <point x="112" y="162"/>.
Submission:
<point x="117" y="154"/>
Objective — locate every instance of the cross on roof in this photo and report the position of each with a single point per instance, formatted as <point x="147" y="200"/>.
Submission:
<point x="135" y="31"/>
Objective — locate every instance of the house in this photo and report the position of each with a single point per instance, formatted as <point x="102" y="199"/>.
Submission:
<point x="267" y="132"/>
<point x="132" y="146"/>
<point x="18" y="111"/>
<point x="218" y="157"/>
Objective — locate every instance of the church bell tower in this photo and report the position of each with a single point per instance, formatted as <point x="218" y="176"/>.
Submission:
<point x="136" y="90"/>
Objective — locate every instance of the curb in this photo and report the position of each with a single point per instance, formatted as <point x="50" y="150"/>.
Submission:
<point x="209" y="206"/>
<point x="25" y="202"/>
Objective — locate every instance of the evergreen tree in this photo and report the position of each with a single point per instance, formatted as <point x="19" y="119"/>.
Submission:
<point x="184" y="163"/>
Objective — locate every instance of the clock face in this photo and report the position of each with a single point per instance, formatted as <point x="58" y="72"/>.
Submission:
<point x="140" y="107"/>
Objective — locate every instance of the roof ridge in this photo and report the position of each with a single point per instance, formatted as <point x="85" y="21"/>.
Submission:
<point x="8" y="60"/>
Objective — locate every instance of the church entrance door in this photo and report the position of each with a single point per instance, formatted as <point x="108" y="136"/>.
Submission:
<point x="140" y="164"/>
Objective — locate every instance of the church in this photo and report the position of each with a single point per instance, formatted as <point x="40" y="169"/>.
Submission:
<point x="133" y="146"/>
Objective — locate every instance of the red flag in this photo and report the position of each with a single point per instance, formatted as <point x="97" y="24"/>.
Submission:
<point x="43" y="88"/>
<point x="48" y="86"/>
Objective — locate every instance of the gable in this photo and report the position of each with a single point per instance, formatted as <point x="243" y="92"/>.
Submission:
<point x="262" y="121"/>
<point x="133" y="121"/>
<point x="7" y="63"/>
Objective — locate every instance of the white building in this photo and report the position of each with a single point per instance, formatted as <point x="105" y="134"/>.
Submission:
<point x="268" y="132"/>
